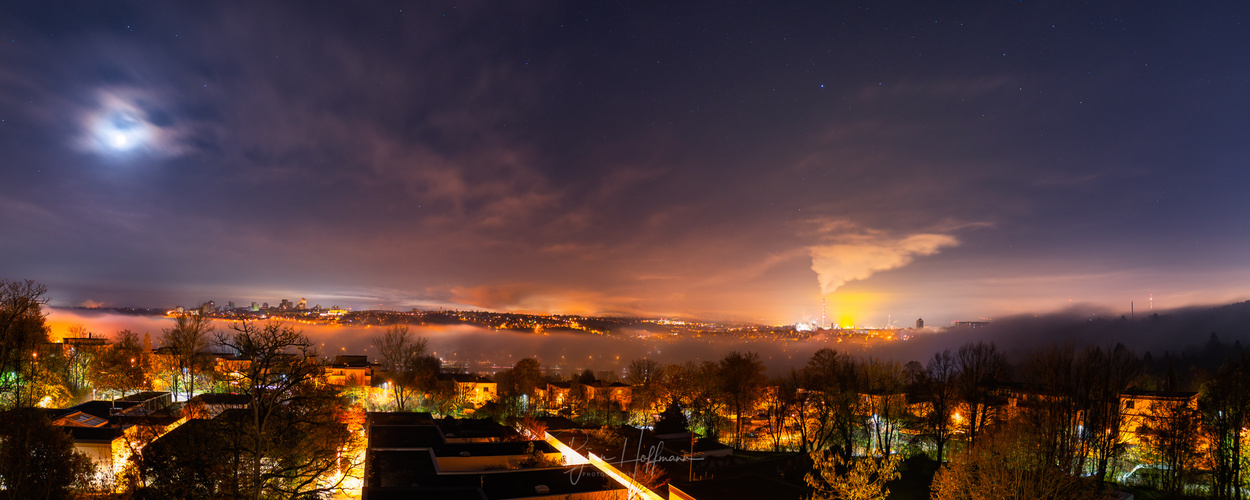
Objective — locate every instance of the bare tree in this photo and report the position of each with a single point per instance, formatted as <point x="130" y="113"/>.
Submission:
<point x="982" y="369"/>
<point x="400" y="352"/>
<point x="809" y="429"/>
<point x="186" y="343"/>
<point x="646" y="378"/>
<point x="517" y="385"/>
<point x="1073" y="404"/>
<point x="834" y="382"/>
<point x="779" y="402"/>
<point x="1112" y="371"/>
<point x="884" y="403"/>
<point x="1007" y="462"/>
<point x="936" y="385"/>
<point x="1055" y="404"/>
<point x="22" y="329"/>
<point x="741" y="377"/>
<point x="1223" y="403"/>
<point x="696" y="388"/>
<point x="290" y="442"/>
<point x="1171" y="434"/>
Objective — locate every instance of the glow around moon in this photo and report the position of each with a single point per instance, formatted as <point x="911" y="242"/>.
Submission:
<point x="118" y="126"/>
<point x="122" y="131"/>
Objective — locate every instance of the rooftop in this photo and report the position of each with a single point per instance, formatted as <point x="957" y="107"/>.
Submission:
<point x="1139" y="392"/>
<point x="744" y="487"/>
<point x="405" y="436"/>
<point x="104" y="409"/>
<point x="221" y="398"/>
<point x="399" y="418"/>
<point x="397" y="476"/>
<point x="492" y="449"/>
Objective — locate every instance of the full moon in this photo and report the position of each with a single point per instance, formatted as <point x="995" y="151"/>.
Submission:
<point x="119" y="127"/>
<point x="120" y="141"/>
<point x="120" y="130"/>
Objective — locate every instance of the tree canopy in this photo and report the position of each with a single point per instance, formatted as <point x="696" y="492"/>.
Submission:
<point x="38" y="460"/>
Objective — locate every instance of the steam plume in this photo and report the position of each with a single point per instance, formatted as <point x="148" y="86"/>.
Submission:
<point x="857" y="257"/>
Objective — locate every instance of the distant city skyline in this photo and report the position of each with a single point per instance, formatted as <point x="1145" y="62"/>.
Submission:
<point x="819" y="322"/>
<point x="723" y="161"/>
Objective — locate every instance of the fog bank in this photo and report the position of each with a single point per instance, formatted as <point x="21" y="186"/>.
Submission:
<point x="567" y="353"/>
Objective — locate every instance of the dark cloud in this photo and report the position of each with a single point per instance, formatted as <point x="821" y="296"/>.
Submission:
<point x="665" y="159"/>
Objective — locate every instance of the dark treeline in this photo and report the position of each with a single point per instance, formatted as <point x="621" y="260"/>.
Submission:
<point x="1177" y="331"/>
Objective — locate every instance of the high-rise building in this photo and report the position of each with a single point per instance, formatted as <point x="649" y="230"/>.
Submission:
<point x="920" y="324"/>
<point x="303" y="303"/>
<point x="256" y="307"/>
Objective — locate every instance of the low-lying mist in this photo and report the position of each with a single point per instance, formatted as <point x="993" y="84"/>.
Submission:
<point x="1155" y="332"/>
<point x="569" y="353"/>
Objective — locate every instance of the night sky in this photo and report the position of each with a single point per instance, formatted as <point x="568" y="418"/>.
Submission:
<point x="715" y="159"/>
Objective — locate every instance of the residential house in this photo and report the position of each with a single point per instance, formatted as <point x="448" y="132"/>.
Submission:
<point x="1142" y="409"/>
<point x="109" y="432"/>
<point x="555" y="394"/>
<point x="615" y="392"/>
<point x="350" y="371"/>
<point x="415" y="456"/>
<point x="471" y="390"/>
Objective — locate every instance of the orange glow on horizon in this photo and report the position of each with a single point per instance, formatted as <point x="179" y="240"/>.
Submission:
<point x="851" y="308"/>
